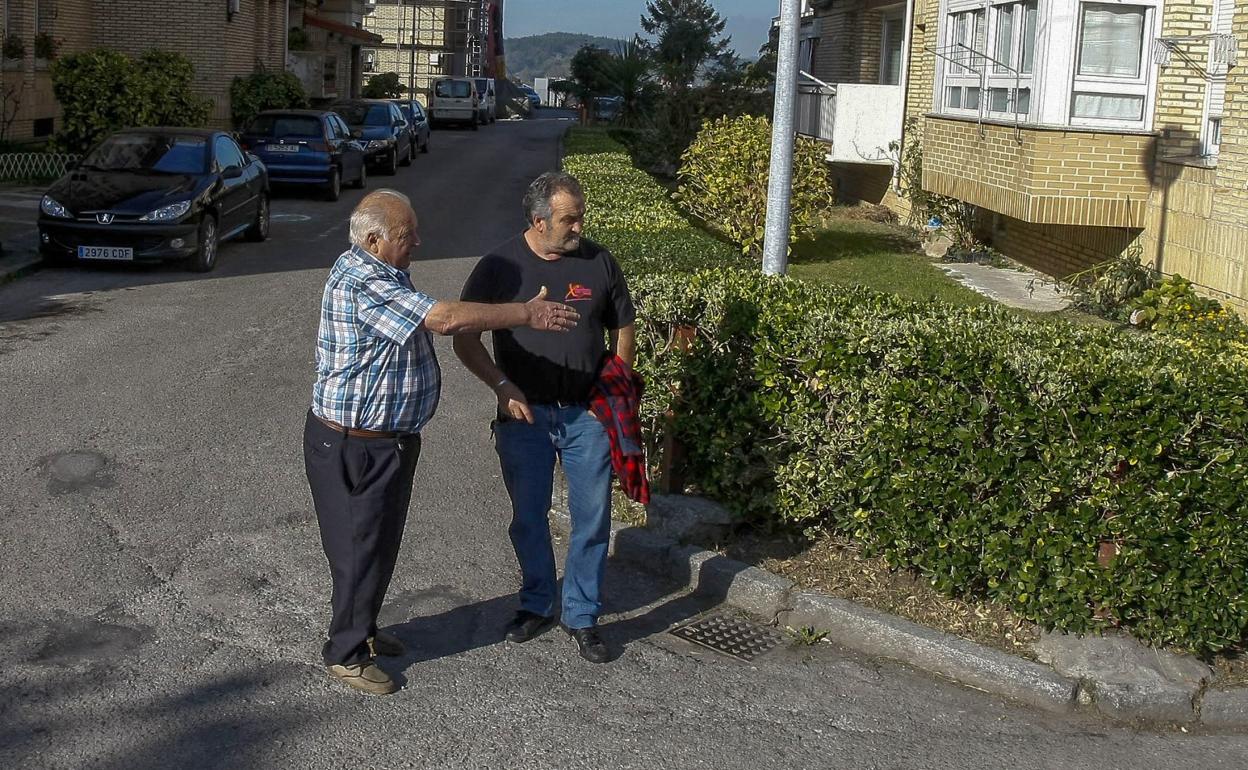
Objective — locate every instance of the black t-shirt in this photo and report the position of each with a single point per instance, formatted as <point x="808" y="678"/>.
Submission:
<point x="549" y="367"/>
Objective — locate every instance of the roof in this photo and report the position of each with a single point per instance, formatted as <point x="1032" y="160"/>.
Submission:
<point x="346" y="30"/>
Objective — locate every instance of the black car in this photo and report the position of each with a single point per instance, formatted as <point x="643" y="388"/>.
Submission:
<point x="155" y="194"/>
<point x="380" y="126"/>
<point x="417" y="123"/>
<point x="308" y="148"/>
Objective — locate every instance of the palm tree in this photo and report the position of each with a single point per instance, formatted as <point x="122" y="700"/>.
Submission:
<point x="629" y="76"/>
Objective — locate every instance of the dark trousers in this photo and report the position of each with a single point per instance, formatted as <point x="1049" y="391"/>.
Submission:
<point x="361" y="488"/>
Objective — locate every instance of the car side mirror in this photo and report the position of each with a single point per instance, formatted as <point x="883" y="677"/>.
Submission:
<point x="400" y="124"/>
<point x="357" y="133"/>
<point x="233" y="172"/>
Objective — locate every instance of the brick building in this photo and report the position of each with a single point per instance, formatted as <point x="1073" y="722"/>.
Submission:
<point x="326" y="52"/>
<point x="1078" y="129"/>
<point x="245" y="35"/>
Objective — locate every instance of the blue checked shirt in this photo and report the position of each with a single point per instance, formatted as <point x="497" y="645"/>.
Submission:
<point x="375" y="364"/>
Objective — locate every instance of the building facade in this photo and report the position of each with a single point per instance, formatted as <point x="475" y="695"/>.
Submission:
<point x="246" y="35"/>
<point x="427" y="39"/>
<point x="1078" y="129"/>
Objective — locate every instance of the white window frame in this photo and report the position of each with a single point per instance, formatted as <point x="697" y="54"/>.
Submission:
<point x="1054" y="78"/>
<point x="1215" y="91"/>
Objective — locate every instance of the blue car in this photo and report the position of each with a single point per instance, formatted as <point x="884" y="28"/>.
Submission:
<point x="535" y="101"/>
<point x="381" y="128"/>
<point x="307" y="147"/>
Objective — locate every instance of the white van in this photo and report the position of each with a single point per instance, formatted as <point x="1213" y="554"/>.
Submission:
<point x="489" y="104"/>
<point x="454" y="100"/>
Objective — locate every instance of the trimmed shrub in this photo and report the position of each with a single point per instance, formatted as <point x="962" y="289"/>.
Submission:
<point x="1084" y="477"/>
<point x="723" y="180"/>
<point x="260" y="91"/>
<point x="102" y="91"/>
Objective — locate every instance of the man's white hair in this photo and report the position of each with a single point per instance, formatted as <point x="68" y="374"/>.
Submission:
<point x="370" y="218"/>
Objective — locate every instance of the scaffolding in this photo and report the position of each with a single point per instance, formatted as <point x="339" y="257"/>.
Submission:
<point x="427" y="39"/>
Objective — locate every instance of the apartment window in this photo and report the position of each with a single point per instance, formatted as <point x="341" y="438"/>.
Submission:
<point x="894" y="40"/>
<point x="1022" y="60"/>
<point x="1215" y="93"/>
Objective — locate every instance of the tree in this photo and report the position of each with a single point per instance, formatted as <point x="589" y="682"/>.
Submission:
<point x="384" y="86"/>
<point x="628" y="77"/>
<point x="590" y="67"/>
<point x="687" y="37"/>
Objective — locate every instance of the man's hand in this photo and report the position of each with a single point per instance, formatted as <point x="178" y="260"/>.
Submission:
<point x="550" y="316"/>
<point x="511" y="402"/>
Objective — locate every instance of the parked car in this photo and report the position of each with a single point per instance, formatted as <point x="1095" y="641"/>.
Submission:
<point x="381" y="127"/>
<point x="417" y="123"/>
<point x="307" y="147"/>
<point x="607" y="108"/>
<point x="489" y="106"/>
<point x="156" y="194"/>
<point x="455" y="100"/>
<point x="535" y="101"/>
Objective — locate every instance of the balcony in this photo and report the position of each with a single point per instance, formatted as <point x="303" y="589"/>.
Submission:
<point x="1042" y="174"/>
<point x="856" y="120"/>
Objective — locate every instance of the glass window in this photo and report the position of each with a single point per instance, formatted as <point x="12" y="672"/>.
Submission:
<point x="971" y="100"/>
<point x="953" y="97"/>
<point x="361" y="114"/>
<point x="1108" y="106"/>
<point x="163" y="154"/>
<point x="893" y="42"/>
<point x="1003" y="51"/>
<point x="1111" y="40"/>
<point x="284" y="125"/>
<point x="999" y="99"/>
<point x="1024" y="101"/>
<point x="228" y="154"/>
<point x="452" y="89"/>
<point x="1030" y="14"/>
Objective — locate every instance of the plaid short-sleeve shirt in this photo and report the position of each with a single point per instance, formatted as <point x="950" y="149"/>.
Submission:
<point x="375" y="364"/>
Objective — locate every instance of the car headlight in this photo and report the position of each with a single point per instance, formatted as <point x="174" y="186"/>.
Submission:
<point x="167" y="213"/>
<point x="376" y="144"/>
<point x="50" y="207"/>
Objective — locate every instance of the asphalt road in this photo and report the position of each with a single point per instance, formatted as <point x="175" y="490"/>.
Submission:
<point x="163" y="593"/>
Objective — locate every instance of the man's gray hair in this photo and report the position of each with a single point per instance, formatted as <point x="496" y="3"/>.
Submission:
<point x="369" y="218"/>
<point x="537" y="198"/>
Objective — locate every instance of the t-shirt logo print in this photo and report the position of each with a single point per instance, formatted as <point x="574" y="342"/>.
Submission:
<point x="578" y="293"/>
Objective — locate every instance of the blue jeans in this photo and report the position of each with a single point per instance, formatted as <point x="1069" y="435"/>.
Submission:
<point x="527" y="453"/>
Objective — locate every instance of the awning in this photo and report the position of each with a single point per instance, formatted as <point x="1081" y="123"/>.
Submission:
<point x="346" y="30"/>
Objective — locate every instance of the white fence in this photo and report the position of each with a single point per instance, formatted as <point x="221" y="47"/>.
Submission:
<point x="33" y="165"/>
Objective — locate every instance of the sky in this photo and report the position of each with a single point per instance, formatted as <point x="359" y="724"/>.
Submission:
<point x="748" y="20"/>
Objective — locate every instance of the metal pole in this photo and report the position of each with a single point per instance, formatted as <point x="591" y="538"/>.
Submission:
<point x="780" y="178"/>
<point x="411" y="54"/>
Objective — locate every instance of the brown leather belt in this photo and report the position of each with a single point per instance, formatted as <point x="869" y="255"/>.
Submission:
<point x="355" y="432"/>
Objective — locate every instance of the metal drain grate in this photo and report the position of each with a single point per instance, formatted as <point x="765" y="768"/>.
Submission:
<point x="730" y="635"/>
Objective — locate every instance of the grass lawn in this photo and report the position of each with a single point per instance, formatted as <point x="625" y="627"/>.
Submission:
<point x="878" y="256"/>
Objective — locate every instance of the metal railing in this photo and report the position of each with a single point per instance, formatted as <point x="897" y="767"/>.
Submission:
<point x="815" y="109"/>
<point x="34" y="165"/>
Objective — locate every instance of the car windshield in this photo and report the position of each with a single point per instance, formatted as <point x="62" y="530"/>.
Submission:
<point x="162" y="154"/>
<point x="481" y="85"/>
<point x="275" y="126"/>
<point x="364" y="114"/>
<point x="452" y="89"/>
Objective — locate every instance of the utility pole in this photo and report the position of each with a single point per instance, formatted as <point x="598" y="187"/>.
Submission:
<point x="780" y="177"/>
<point x="411" y="53"/>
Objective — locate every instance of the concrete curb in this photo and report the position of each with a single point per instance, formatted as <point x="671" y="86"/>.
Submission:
<point x="18" y="264"/>
<point x="879" y="634"/>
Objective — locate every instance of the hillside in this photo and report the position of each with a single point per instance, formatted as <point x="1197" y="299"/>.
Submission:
<point x="547" y="55"/>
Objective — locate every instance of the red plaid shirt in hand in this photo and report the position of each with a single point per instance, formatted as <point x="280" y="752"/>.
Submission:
<point x="615" y="400"/>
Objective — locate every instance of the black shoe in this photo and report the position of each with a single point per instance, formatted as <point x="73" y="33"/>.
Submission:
<point x="592" y="647"/>
<point x="527" y="625"/>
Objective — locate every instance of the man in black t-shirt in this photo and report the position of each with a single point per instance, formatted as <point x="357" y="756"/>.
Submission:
<point x="542" y="382"/>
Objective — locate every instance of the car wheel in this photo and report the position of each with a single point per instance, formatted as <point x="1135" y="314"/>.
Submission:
<point x="206" y="255"/>
<point x="362" y="181"/>
<point x="410" y="155"/>
<point x="259" y="230"/>
<point x="333" y="190"/>
<point x="392" y="163"/>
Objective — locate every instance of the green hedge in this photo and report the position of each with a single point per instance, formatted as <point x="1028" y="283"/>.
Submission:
<point x="997" y="455"/>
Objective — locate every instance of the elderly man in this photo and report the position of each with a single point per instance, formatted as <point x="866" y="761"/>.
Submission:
<point x="543" y="386"/>
<point x="377" y="385"/>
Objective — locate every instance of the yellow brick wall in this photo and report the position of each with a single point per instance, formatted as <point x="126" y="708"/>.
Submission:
<point x="394" y="23"/>
<point x="1066" y="177"/>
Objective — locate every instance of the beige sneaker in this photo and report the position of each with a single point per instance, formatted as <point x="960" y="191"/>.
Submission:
<point x="366" y="677"/>
<point x="385" y="645"/>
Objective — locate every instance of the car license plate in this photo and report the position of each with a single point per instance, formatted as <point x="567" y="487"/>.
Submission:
<point x="105" y="252"/>
<point x="282" y="148"/>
